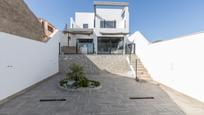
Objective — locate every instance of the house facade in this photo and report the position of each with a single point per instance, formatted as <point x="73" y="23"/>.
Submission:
<point x="103" y="31"/>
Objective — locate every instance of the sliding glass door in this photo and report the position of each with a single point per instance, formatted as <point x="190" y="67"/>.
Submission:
<point x="110" y="45"/>
<point x="86" y="46"/>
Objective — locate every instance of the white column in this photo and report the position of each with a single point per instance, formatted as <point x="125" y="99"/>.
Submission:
<point x="124" y="42"/>
<point x="95" y="41"/>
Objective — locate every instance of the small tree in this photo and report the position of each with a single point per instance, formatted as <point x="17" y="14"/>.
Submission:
<point x="77" y="78"/>
<point x="77" y="74"/>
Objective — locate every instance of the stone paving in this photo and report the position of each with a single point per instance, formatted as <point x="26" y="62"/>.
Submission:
<point x="111" y="99"/>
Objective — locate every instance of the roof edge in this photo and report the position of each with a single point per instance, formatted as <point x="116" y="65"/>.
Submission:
<point x="105" y="3"/>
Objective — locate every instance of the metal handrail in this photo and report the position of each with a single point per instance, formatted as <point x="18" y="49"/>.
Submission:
<point x="137" y="79"/>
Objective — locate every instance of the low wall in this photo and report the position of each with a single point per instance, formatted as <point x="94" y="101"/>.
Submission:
<point x="67" y="60"/>
<point x="24" y="62"/>
<point x="177" y="63"/>
<point x="116" y="64"/>
<point x="94" y="64"/>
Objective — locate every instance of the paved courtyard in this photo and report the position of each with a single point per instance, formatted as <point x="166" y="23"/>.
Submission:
<point x="111" y="99"/>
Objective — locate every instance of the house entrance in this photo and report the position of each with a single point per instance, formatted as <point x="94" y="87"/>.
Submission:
<point x="110" y="45"/>
<point x="85" y="45"/>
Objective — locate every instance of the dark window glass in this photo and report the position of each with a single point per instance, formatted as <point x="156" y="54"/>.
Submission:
<point x="110" y="45"/>
<point x="102" y="25"/>
<point x="108" y="24"/>
<point x="85" y="26"/>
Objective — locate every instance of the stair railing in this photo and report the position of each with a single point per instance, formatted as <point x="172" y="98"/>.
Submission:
<point x="136" y="65"/>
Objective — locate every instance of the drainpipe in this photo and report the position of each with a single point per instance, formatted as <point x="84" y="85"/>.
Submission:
<point x="68" y="39"/>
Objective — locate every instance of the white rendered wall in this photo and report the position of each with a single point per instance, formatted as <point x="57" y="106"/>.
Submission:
<point x="122" y="24"/>
<point x="102" y="14"/>
<point x="24" y="62"/>
<point x="63" y="39"/>
<point x="108" y="15"/>
<point x="125" y="21"/>
<point x="177" y="63"/>
<point x="84" y="18"/>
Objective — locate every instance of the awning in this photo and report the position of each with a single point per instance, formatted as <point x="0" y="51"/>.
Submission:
<point x="85" y="31"/>
<point x="106" y="3"/>
<point x="111" y="32"/>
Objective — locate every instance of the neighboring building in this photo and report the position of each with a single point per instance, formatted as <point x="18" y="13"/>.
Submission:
<point x="48" y="28"/>
<point x="103" y="31"/>
<point x="17" y="19"/>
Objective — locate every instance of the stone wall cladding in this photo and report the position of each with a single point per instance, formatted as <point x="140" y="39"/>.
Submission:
<point x="94" y="64"/>
<point x="67" y="60"/>
<point x="116" y="64"/>
<point x="16" y="18"/>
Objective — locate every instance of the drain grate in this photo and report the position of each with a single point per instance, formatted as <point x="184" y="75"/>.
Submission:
<point x="45" y="100"/>
<point x="141" y="97"/>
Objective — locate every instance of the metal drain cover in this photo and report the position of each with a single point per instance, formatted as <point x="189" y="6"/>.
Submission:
<point x="45" y="100"/>
<point x="141" y="97"/>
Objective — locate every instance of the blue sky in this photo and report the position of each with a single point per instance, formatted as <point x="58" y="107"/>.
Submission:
<point x="156" y="19"/>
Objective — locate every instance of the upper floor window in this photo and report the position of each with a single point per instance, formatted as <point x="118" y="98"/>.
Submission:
<point x="108" y="24"/>
<point x="85" y="26"/>
<point x="50" y="29"/>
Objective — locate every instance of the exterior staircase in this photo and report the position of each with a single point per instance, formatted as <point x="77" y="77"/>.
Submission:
<point x="115" y="64"/>
<point x="140" y="70"/>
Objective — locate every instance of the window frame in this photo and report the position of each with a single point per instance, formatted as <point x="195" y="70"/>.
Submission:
<point x="85" y="25"/>
<point x="104" y="24"/>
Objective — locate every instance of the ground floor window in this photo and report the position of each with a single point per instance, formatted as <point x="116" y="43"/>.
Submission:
<point x="85" y="46"/>
<point x="110" y="45"/>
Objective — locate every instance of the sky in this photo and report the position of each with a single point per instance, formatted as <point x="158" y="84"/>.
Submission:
<point x="155" y="19"/>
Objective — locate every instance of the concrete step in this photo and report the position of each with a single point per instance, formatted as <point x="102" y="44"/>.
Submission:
<point x="142" y="73"/>
<point x="141" y="69"/>
<point x="144" y="77"/>
<point x="138" y="64"/>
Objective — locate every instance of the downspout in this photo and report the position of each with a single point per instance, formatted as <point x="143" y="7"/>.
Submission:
<point x="68" y="38"/>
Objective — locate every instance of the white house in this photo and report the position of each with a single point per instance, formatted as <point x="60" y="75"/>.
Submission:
<point x="103" y="31"/>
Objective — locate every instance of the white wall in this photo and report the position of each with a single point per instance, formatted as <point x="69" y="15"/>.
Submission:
<point x="63" y="39"/>
<point x="84" y="18"/>
<point x="177" y="63"/>
<point x="24" y="62"/>
<point x="102" y="14"/>
<point x="125" y="21"/>
<point x="109" y="15"/>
